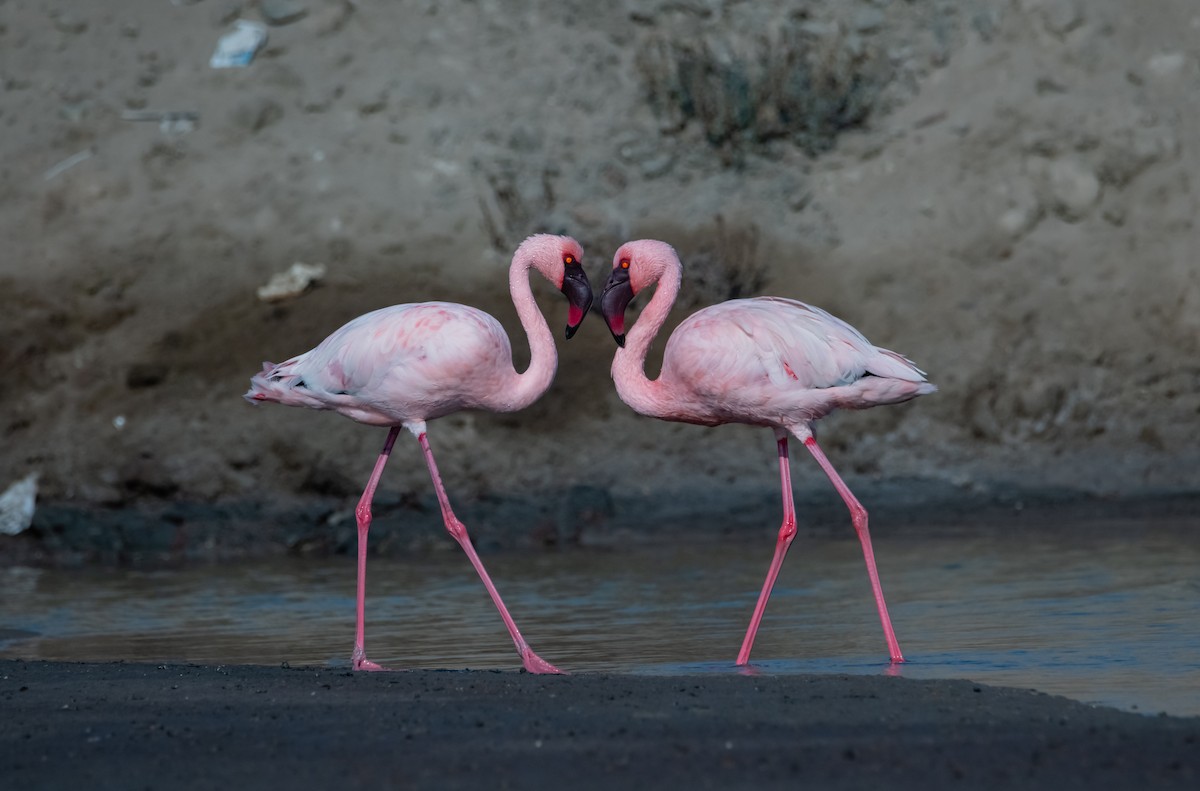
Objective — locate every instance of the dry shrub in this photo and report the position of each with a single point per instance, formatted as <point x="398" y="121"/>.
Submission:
<point x="785" y="82"/>
<point x="720" y="263"/>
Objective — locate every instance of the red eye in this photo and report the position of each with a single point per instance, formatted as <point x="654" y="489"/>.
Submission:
<point x="624" y="263"/>
<point x="568" y="259"/>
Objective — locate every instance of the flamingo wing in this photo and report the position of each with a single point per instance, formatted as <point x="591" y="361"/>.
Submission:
<point x="758" y="356"/>
<point x="420" y="360"/>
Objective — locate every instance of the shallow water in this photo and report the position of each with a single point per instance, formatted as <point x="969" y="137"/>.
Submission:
<point x="1106" y="615"/>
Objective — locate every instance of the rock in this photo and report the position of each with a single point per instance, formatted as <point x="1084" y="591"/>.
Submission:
<point x="17" y="505"/>
<point x="1132" y="151"/>
<point x="526" y="139"/>
<point x="819" y="30"/>
<point x="1073" y="188"/>
<point x="69" y="23"/>
<point x="331" y="17"/>
<point x="868" y="20"/>
<point x="798" y="197"/>
<point x="591" y="215"/>
<point x="1018" y="220"/>
<point x="1166" y="64"/>
<point x="658" y="165"/>
<point x="644" y="153"/>
<point x="1114" y="215"/>
<point x="1059" y="17"/>
<point x="257" y="114"/>
<point x="282" y="12"/>
<point x="986" y="24"/>
<point x="143" y="375"/>
<point x="1024" y="209"/>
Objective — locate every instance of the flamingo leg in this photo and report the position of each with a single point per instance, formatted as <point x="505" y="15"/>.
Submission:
<point x="787" y="532"/>
<point x="858" y="515"/>
<point x="362" y="515"/>
<point x="533" y="663"/>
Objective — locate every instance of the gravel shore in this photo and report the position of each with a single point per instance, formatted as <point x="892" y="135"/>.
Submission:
<point x="127" y="726"/>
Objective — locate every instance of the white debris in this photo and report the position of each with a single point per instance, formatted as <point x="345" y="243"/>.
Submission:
<point x="237" y="48"/>
<point x="16" y="505"/>
<point x="292" y="283"/>
<point x="67" y="164"/>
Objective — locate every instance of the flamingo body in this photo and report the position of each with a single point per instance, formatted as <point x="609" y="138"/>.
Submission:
<point x="769" y="361"/>
<point x="403" y="363"/>
<point x="401" y="366"/>
<point x="765" y="361"/>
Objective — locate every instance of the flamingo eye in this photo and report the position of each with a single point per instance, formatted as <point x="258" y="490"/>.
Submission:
<point x="568" y="259"/>
<point x="624" y="263"/>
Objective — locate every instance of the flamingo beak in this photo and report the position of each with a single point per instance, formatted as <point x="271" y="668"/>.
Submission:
<point x="578" y="291"/>
<point x="617" y="294"/>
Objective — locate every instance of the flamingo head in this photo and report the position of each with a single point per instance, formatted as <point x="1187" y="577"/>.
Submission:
<point x="560" y="260"/>
<point x="636" y="265"/>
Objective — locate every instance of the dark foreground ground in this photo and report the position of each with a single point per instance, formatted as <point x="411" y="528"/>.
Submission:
<point x="145" y="726"/>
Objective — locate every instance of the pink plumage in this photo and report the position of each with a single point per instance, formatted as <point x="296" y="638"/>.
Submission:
<point x="401" y="366"/>
<point x="765" y="361"/>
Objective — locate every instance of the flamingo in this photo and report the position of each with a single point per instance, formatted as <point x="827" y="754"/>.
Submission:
<point x="401" y="366"/>
<point x="765" y="361"/>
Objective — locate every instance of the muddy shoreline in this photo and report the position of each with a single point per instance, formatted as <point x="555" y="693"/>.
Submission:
<point x="163" y="532"/>
<point x="188" y="726"/>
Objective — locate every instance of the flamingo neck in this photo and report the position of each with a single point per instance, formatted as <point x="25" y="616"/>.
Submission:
<point x="644" y="395"/>
<point x="543" y="356"/>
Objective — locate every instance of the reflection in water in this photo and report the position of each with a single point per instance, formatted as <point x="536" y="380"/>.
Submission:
<point x="1107" y="617"/>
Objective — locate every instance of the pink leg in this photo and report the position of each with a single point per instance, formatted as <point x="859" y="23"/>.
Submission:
<point x="362" y="515"/>
<point x="533" y="663"/>
<point x="858" y="515"/>
<point x="787" y="532"/>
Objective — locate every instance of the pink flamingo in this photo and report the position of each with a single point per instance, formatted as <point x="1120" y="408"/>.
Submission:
<point x="765" y="361"/>
<point x="402" y="366"/>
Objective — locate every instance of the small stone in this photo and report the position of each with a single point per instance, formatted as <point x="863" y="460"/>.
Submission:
<point x="986" y="25"/>
<point x="612" y="179"/>
<point x="69" y="24"/>
<point x="142" y="375"/>
<point x="1074" y="187"/>
<point x="526" y="139"/>
<point x="282" y="12"/>
<point x="657" y="166"/>
<point x="254" y="115"/>
<point x="227" y="13"/>
<point x="868" y="20"/>
<point x="1018" y="220"/>
<point x="1166" y="64"/>
<point x="1060" y="16"/>
<point x="1134" y="150"/>
<point x="331" y="17"/>
<point x="799" y="199"/>
<point x="1114" y="215"/>
<point x="819" y="29"/>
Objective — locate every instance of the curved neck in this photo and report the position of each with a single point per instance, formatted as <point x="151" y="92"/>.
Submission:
<point x="543" y="356"/>
<point x="629" y="364"/>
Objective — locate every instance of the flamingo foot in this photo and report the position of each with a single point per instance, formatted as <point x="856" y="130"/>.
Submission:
<point x="360" y="661"/>
<point x="535" y="664"/>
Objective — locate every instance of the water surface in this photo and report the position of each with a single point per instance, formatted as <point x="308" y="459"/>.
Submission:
<point x="1100" y="615"/>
